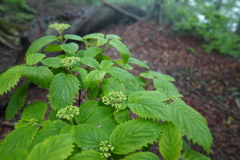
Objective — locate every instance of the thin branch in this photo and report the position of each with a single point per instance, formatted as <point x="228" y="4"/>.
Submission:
<point x="121" y="10"/>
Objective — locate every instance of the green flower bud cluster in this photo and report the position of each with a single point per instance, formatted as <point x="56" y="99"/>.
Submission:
<point x="33" y="122"/>
<point x="105" y="149"/>
<point x="59" y="26"/>
<point x="69" y="61"/>
<point x="114" y="99"/>
<point x="68" y="112"/>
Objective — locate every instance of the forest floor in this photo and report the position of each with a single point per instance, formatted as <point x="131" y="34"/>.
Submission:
<point x="210" y="83"/>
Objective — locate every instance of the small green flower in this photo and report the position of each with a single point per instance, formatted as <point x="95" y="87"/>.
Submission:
<point x="105" y="149"/>
<point x="69" y="61"/>
<point x="59" y="26"/>
<point x="114" y="99"/>
<point x="68" y="112"/>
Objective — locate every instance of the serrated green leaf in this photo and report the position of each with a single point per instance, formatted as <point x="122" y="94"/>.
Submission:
<point x="140" y="81"/>
<point x="93" y="36"/>
<point x="10" y="78"/>
<point x="146" y="106"/>
<point x="123" y="64"/>
<point x="54" y="62"/>
<point x="41" y="75"/>
<point x="92" y="93"/>
<point x="167" y="88"/>
<point x="34" y="58"/>
<point x="91" y="62"/>
<point x="68" y="129"/>
<point x="105" y="64"/>
<point x="113" y="36"/>
<point x="193" y="155"/>
<point x="82" y="75"/>
<point x="94" y="77"/>
<point x="40" y="43"/>
<point x="122" y="116"/>
<point x="49" y="129"/>
<point x="112" y="85"/>
<point x="19" y="138"/>
<point x="53" y="48"/>
<point x="20" y="124"/>
<point x="142" y="156"/>
<point x="132" y="135"/>
<point x="92" y="51"/>
<point x="88" y="155"/>
<point x="20" y="154"/>
<point x="123" y="50"/>
<point x="170" y="142"/>
<point x="101" y="41"/>
<point x="72" y="37"/>
<point x="52" y="115"/>
<point x="99" y="115"/>
<point x="85" y="110"/>
<point x="154" y="74"/>
<point x="53" y="148"/>
<point x="69" y="47"/>
<point x="35" y="110"/>
<point x="108" y="126"/>
<point x="121" y="74"/>
<point x="63" y="89"/>
<point x="138" y="62"/>
<point x="190" y="123"/>
<point x="89" y="137"/>
<point x="17" y="101"/>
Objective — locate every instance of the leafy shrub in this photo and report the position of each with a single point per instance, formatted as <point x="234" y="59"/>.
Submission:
<point x="213" y="29"/>
<point x="92" y="97"/>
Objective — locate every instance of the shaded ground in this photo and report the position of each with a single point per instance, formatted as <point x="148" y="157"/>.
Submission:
<point x="209" y="82"/>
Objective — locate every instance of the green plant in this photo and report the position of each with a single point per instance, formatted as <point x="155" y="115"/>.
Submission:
<point x="92" y="97"/>
<point x="212" y="28"/>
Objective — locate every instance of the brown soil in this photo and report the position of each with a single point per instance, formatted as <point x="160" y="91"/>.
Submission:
<point x="209" y="82"/>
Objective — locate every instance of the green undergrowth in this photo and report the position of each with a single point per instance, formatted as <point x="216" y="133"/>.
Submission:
<point x="91" y="97"/>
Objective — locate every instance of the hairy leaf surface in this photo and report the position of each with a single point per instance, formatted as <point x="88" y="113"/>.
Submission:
<point x="53" y="148"/>
<point x="69" y="47"/>
<point x="54" y="62"/>
<point x="85" y="110"/>
<point x="34" y="58"/>
<point x="88" y="155"/>
<point x="112" y="36"/>
<point x="170" y="142"/>
<point x="10" y="78"/>
<point x="123" y="50"/>
<point x="190" y="123"/>
<point x="41" y="75"/>
<point x="72" y="37"/>
<point x="17" y="101"/>
<point x="154" y="74"/>
<point x="193" y="155"/>
<point x="146" y="106"/>
<point x="93" y="36"/>
<point x="94" y="77"/>
<point x="112" y="85"/>
<point x="40" y="43"/>
<point x="91" y="62"/>
<point x="53" y="48"/>
<point x="132" y="135"/>
<point x="49" y="129"/>
<point x="63" y="90"/>
<point x="138" y="62"/>
<point x="99" y="115"/>
<point x="166" y="87"/>
<point x="105" y="64"/>
<point x="89" y="137"/>
<point x="35" y="110"/>
<point x="92" y="51"/>
<point x="142" y="156"/>
<point x="19" y="138"/>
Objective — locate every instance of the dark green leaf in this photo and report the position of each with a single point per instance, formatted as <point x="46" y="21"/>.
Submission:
<point x="85" y="110"/>
<point x="123" y="50"/>
<point x="193" y="155"/>
<point x="69" y="47"/>
<point x="99" y="115"/>
<point x="94" y="77"/>
<point x="34" y="58"/>
<point x="92" y="51"/>
<point x="142" y="156"/>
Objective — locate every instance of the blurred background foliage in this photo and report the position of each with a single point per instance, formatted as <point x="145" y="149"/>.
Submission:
<point x="215" y="22"/>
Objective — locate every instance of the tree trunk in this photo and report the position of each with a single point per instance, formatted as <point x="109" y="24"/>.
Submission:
<point x="157" y="14"/>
